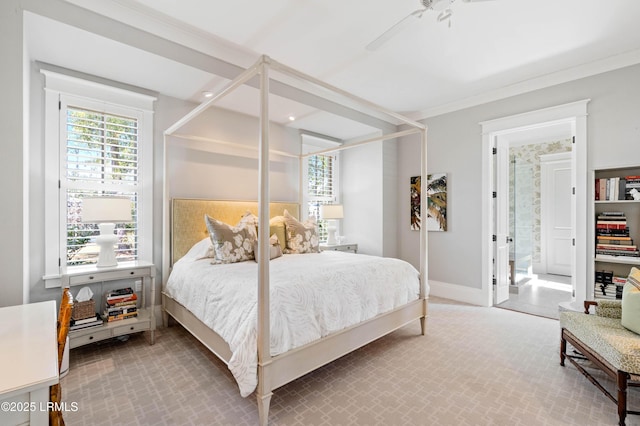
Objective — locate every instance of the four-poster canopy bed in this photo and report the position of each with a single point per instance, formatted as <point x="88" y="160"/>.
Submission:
<point x="184" y="245"/>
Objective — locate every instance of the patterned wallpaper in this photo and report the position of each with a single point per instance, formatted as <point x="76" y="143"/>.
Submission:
<point x="524" y="197"/>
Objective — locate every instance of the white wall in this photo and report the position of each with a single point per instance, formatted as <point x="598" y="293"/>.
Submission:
<point x="369" y="184"/>
<point x="454" y="146"/>
<point x="200" y="169"/>
<point x="361" y="176"/>
<point x="12" y="169"/>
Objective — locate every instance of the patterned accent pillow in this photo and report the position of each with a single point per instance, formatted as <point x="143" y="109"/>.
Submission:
<point x="250" y="220"/>
<point x="276" y="226"/>
<point x="302" y="237"/>
<point x="631" y="302"/>
<point x="231" y="243"/>
<point x="274" y="248"/>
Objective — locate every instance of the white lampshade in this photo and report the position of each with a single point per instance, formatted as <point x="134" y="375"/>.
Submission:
<point x="331" y="211"/>
<point x="106" y="209"/>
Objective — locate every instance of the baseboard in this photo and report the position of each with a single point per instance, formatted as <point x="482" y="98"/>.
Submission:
<point x="460" y="293"/>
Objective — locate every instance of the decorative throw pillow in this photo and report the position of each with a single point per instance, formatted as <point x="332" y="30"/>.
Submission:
<point x="231" y="243"/>
<point x="250" y="220"/>
<point x="302" y="237"/>
<point x="631" y="302"/>
<point x="274" y="248"/>
<point x="277" y="227"/>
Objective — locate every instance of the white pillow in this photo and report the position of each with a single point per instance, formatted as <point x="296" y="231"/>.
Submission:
<point x="201" y="250"/>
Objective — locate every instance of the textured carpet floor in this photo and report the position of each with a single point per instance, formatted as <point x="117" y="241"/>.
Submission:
<point x="475" y="366"/>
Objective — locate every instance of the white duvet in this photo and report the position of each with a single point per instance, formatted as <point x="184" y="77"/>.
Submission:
<point x="312" y="295"/>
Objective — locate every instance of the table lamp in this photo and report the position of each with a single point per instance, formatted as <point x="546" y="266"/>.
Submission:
<point x="106" y="211"/>
<point x="331" y="213"/>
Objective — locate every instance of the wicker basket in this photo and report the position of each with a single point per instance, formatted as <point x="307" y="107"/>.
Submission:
<point x="82" y="310"/>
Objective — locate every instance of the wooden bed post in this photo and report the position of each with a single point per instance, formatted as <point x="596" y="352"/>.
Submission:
<point x="424" y="275"/>
<point x="263" y="391"/>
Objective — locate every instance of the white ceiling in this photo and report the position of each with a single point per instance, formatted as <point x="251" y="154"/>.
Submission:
<point x="490" y="49"/>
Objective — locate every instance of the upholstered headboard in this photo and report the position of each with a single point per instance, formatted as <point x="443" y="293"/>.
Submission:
<point x="187" y="219"/>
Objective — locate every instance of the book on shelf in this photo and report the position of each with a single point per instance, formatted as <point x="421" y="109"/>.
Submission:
<point x="617" y="253"/>
<point x="601" y="257"/>
<point x="120" y="292"/>
<point x="85" y="320"/>
<point x="612" y="232"/>
<point x="122" y="299"/>
<point x="119" y="317"/>
<point x="607" y="285"/>
<point x="617" y="247"/>
<point x="132" y="300"/>
<point x="611" y="224"/>
<point x="604" y="277"/>
<point x="120" y="310"/>
<point x="609" y="239"/>
<point x="628" y="242"/>
<point x="86" y="323"/>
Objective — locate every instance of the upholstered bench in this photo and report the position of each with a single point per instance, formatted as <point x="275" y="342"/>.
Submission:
<point x="603" y="340"/>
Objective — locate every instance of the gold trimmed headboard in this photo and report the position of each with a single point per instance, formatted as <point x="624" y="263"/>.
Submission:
<point x="187" y="219"/>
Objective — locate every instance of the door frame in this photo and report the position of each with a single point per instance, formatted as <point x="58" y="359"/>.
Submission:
<point x="575" y="114"/>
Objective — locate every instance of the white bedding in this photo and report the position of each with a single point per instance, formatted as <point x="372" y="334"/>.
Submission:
<point x="312" y="295"/>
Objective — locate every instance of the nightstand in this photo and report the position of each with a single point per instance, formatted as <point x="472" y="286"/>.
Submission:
<point x="145" y="271"/>
<point x="339" y="247"/>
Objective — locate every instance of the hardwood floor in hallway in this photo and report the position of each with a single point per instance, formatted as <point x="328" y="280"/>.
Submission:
<point x="540" y="295"/>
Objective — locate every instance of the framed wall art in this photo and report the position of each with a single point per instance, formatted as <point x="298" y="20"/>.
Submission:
<point x="436" y="202"/>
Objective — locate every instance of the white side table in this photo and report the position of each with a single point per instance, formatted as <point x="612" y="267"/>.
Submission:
<point x="145" y="320"/>
<point x="340" y="247"/>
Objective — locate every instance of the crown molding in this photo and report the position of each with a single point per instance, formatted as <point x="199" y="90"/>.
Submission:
<point x="570" y="74"/>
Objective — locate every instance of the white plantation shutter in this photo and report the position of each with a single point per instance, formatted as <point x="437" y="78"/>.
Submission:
<point x="322" y="178"/>
<point x="101" y="159"/>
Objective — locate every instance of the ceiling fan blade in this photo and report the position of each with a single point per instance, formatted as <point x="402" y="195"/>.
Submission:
<point x="395" y="29"/>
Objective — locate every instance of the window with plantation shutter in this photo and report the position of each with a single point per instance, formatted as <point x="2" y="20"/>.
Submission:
<point x="101" y="160"/>
<point x="98" y="142"/>
<point x="322" y="179"/>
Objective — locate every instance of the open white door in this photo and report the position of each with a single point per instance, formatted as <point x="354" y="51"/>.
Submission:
<point x="557" y="216"/>
<point x="501" y="270"/>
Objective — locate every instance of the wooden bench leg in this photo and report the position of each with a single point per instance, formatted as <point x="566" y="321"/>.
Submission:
<point x="622" y="397"/>
<point x="563" y="349"/>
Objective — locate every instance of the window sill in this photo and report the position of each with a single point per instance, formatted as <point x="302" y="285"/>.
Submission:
<point x="52" y="281"/>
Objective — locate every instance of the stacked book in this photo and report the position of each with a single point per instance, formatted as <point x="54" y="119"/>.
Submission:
<point x="612" y="237"/>
<point x="86" y="322"/>
<point x="120" y="304"/>
<point x="608" y="286"/>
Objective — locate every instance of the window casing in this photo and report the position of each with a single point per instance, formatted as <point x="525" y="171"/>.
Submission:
<point x="98" y="141"/>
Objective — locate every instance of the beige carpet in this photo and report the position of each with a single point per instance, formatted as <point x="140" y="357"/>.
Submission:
<point x="475" y="366"/>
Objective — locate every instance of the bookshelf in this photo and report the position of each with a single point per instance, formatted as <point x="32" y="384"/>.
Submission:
<point x="145" y="320"/>
<point x="611" y="205"/>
